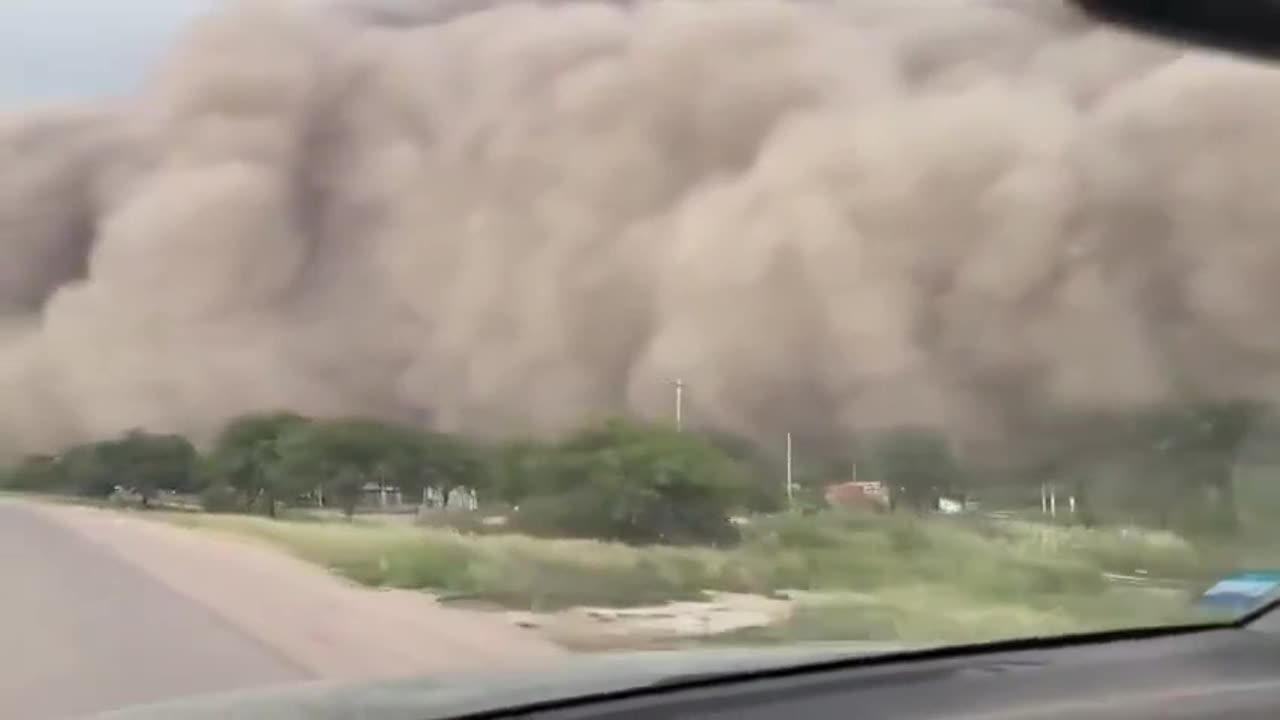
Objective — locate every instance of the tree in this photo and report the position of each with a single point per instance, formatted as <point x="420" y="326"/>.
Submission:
<point x="148" y="463"/>
<point x="917" y="466"/>
<point x="635" y="483"/>
<point x="1189" y="452"/>
<point x="1165" y="464"/>
<point x="764" y="472"/>
<point x="1071" y="451"/>
<point x="341" y="456"/>
<point x="515" y="467"/>
<point x="245" y="452"/>
<point x="86" y="473"/>
<point x="420" y="459"/>
<point x="37" y="473"/>
<point x="447" y="462"/>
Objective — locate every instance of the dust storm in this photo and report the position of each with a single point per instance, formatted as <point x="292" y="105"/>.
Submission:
<point x="508" y="217"/>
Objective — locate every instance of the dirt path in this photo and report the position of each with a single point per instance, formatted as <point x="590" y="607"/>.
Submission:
<point x="333" y="629"/>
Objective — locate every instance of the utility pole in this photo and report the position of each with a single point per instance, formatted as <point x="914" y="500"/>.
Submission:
<point x="680" y="405"/>
<point x="790" y="485"/>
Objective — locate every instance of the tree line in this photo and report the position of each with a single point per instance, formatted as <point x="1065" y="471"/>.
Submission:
<point x="642" y="482"/>
<point x="616" y="479"/>
<point x="1168" y="466"/>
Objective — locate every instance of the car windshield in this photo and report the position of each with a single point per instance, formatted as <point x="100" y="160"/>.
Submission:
<point x="582" y="327"/>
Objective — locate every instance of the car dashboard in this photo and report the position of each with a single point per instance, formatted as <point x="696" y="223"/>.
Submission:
<point x="1218" y="673"/>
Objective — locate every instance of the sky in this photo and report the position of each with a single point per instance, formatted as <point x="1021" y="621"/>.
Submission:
<point x="105" y="50"/>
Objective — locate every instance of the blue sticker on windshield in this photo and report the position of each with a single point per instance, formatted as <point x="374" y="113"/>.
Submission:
<point x="1241" y="593"/>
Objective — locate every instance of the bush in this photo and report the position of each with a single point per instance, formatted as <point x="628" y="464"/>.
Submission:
<point x="793" y="531"/>
<point x="602" y="515"/>
<point x="633" y="483"/>
<point x="221" y="498"/>
<point x="35" y="473"/>
<point x="264" y="504"/>
<point x="122" y="498"/>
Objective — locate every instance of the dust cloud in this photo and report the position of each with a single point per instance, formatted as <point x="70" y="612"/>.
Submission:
<point x="506" y="217"/>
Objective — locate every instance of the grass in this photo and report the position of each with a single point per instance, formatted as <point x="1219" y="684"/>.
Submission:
<point x="885" y="578"/>
<point x="510" y="570"/>
<point x="55" y="498"/>
<point x="933" y="614"/>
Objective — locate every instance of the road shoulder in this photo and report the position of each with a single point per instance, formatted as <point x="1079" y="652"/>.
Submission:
<point x="330" y="627"/>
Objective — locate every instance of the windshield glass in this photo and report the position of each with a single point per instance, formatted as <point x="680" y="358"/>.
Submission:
<point x="592" y="326"/>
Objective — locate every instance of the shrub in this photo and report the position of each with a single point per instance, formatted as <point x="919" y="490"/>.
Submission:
<point x="221" y="498"/>
<point x="633" y="483"/>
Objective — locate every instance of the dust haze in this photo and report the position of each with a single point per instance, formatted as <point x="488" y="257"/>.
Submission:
<point x="507" y="217"/>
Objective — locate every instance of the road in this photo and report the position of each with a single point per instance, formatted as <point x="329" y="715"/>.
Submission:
<point x="102" y="609"/>
<point x="85" y="631"/>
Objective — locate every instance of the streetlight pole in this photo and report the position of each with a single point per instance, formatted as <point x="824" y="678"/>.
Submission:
<point x="680" y="405"/>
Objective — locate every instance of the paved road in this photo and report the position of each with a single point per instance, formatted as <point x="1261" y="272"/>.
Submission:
<point x="82" y="631"/>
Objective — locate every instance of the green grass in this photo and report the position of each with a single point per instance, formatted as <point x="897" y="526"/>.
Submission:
<point x="510" y="570"/>
<point x="890" y="578"/>
<point x="55" y="498"/>
<point x="929" y="614"/>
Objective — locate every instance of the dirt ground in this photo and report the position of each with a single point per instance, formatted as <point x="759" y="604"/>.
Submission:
<point x="329" y="626"/>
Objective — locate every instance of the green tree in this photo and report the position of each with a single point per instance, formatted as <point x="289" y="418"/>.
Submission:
<point x="245" y="453"/>
<point x="763" y="472"/>
<point x="415" y="459"/>
<point x="513" y="465"/>
<point x="634" y="483"/>
<point x="86" y="473"/>
<point x="1166" y="464"/>
<point x="341" y="456"/>
<point x="1188" y="453"/>
<point x="917" y="466"/>
<point x="148" y="463"/>
<point x="37" y="473"/>
<point x="1070" y="451"/>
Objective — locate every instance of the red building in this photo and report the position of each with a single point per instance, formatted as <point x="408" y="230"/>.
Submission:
<point x="857" y="494"/>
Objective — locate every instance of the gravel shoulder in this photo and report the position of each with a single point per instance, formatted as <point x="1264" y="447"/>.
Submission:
<point x="329" y="627"/>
